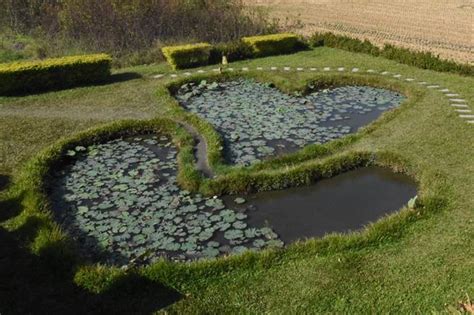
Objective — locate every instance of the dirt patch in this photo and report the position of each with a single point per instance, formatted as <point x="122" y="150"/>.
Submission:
<point x="444" y="28"/>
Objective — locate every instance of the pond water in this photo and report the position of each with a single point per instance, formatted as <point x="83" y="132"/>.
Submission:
<point x="120" y="201"/>
<point x="343" y="203"/>
<point x="258" y="121"/>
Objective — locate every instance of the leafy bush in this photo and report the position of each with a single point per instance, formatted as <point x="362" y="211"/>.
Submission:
<point x="33" y="76"/>
<point x="234" y="51"/>
<point x="123" y="28"/>
<point x="344" y="42"/>
<point x="424" y="60"/>
<point x="187" y="56"/>
<point x="275" y="44"/>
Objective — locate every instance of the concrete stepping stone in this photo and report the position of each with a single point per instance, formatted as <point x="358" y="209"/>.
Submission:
<point x="470" y="121"/>
<point x="355" y="69"/>
<point x="201" y="71"/>
<point x="457" y="100"/>
<point x="341" y="69"/>
<point x="174" y="75"/>
<point x="158" y="76"/>
<point x="259" y="68"/>
<point x="433" y="86"/>
<point x="313" y="69"/>
<point x="187" y="74"/>
<point x="286" y="68"/>
<point x="385" y="73"/>
<point x="299" y="69"/>
<point x="327" y="68"/>
<point x="409" y="79"/>
<point x="273" y="68"/>
<point x="444" y="90"/>
<point x="452" y="95"/>
<point x="463" y="110"/>
<point x="466" y="116"/>
<point x="371" y="71"/>
<point x="245" y="69"/>
<point x="459" y="105"/>
<point x="422" y="83"/>
<point x="216" y="70"/>
<point x="397" y="76"/>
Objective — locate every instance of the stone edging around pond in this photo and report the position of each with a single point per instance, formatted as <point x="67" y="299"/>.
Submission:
<point x="459" y="105"/>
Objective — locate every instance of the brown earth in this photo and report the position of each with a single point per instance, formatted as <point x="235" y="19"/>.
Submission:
<point x="445" y="27"/>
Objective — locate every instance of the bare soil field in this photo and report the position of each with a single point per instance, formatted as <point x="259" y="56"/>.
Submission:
<point x="445" y="27"/>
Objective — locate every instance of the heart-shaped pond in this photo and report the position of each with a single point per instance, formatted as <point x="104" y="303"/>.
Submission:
<point x="120" y="200"/>
<point x="257" y="120"/>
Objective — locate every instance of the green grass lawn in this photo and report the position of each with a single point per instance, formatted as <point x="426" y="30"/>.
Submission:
<point x="425" y="266"/>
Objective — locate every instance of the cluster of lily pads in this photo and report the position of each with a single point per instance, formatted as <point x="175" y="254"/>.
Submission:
<point x="120" y="200"/>
<point x="257" y="120"/>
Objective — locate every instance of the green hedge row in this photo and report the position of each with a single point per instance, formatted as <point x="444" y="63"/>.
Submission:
<point x="57" y="73"/>
<point x="201" y="54"/>
<point x="187" y="56"/>
<point x="424" y="60"/>
<point x="269" y="45"/>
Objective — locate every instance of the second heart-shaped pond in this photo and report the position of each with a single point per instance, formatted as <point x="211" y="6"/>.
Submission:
<point x="258" y="121"/>
<point x="121" y="201"/>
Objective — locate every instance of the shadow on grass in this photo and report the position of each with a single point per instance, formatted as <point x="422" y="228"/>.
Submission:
<point x="4" y="182"/>
<point x="114" y="78"/>
<point x="31" y="284"/>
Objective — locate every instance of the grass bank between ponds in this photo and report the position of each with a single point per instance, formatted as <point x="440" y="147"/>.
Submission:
<point x="375" y="270"/>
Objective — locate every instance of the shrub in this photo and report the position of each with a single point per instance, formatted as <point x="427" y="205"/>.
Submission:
<point x="424" y="60"/>
<point x="275" y="44"/>
<point x="187" y="56"/>
<point x="344" y="42"/>
<point x="34" y="76"/>
<point x="234" y="51"/>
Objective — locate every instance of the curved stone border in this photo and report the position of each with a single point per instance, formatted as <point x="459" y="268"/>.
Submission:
<point x="459" y="105"/>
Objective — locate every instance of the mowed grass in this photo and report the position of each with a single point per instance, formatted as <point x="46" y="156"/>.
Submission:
<point x="426" y="267"/>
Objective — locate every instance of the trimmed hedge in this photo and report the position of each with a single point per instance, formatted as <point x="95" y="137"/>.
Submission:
<point x="187" y="56"/>
<point x="53" y="74"/>
<point x="234" y="51"/>
<point x="423" y="60"/>
<point x="275" y="44"/>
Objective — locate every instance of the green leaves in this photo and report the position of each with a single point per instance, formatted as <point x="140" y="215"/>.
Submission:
<point x="127" y="202"/>
<point x="257" y="121"/>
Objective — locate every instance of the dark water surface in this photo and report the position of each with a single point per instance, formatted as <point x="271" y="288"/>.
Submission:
<point x="343" y="203"/>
